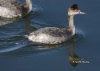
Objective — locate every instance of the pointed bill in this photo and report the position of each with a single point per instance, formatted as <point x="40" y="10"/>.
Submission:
<point x="82" y="12"/>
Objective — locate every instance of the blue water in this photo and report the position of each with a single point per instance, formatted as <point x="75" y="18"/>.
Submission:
<point x="81" y="53"/>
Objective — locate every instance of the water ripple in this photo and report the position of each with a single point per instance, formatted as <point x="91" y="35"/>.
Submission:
<point x="12" y="35"/>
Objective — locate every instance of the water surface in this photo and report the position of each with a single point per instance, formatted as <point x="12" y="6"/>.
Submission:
<point x="19" y="54"/>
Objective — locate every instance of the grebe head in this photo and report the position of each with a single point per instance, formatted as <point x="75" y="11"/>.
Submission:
<point x="73" y="10"/>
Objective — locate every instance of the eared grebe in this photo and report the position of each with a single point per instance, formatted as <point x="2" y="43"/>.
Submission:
<point x="53" y="35"/>
<point x="12" y="8"/>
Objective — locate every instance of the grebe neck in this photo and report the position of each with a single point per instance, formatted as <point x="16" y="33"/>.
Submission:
<point x="28" y="5"/>
<point x="71" y="24"/>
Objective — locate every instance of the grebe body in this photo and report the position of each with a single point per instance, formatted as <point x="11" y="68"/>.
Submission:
<point x="54" y="35"/>
<point x="50" y="35"/>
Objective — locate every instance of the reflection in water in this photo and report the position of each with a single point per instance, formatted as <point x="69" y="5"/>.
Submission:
<point x="11" y="35"/>
<point x="26" y="47"/>
<point x="4" y="21"/>
<point x="73" y="58"/>
<point x="30" y="48"/>
<point x="28" y="28"/>
<point x="18" y="45"/>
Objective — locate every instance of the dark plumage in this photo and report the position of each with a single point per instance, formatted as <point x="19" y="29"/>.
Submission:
<point x="74" y="7"/>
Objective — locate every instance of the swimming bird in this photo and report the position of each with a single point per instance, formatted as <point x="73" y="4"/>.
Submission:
<point x="13" y="8"/>
<point x="54" y="35"/>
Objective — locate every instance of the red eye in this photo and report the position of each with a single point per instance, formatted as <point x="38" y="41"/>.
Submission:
<point x="76" y="10"/>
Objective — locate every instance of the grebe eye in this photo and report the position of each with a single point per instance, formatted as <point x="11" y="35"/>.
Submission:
<point x="76" y="10"/>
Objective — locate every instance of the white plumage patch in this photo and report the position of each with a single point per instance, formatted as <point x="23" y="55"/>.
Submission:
<point x="42" y="37"/>
<point x="4" y="12"/>
<point x="39" y="38"/>
<point x="30" y="7"/>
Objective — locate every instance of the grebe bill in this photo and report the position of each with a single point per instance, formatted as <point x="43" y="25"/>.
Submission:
<point x="53" y="35"/>
<point x="12" y="8"/>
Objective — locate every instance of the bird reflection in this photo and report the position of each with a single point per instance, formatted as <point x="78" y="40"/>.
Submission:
<point x="30" y="48"/>
<point x="4" y="21"/>
<point x="28" y="28"/>
<point x="72" y="57"/>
